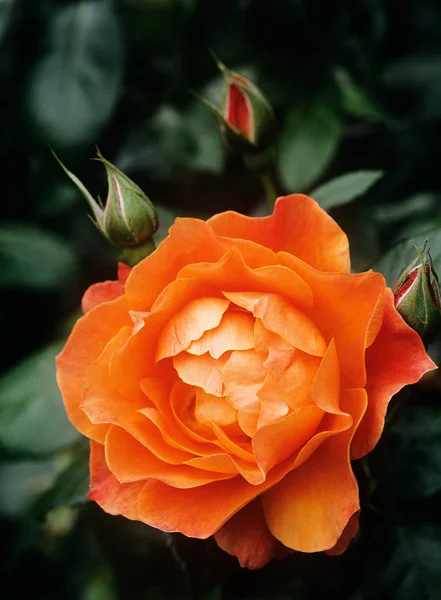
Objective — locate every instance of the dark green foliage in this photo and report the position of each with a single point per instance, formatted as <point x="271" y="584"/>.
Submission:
<point x="356" y="90"/>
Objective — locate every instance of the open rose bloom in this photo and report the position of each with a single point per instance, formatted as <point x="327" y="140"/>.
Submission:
<point x="227" y="384"/>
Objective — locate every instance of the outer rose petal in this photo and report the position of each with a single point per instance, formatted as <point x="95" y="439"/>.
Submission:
<point x="345" y="539"/>
<point x="395" y="359"/>
<point x="190" y="241"/>
<point x="130" y="461"/>
<point x="345" y="308"/>
<point x="85" y="344"/>
<point x="246" y="535"/>
<point x="298" y="226"/>
<point x="101" y="292"/>
<point x="123" y="272"/>
<point x="105" y="291"/>
<point x="309" y="509"/>
<point x="113" y="497"/>
<point x="200" y="512"/>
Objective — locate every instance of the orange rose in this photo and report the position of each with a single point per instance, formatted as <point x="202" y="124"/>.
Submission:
<point x="228" y="384"/>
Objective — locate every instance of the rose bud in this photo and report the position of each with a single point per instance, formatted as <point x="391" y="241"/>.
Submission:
<point x="128" y="218"/>
<point x="417" y="295"/>
<point x="246" y="120"/>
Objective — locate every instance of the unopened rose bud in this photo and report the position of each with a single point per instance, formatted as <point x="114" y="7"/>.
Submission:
<point x="246" y="119"/>
<point x="128" y="218"/>
<point x="417" y="295"/>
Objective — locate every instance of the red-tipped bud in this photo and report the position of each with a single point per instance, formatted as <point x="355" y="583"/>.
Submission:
<point x="417" y="295"/>
<point x="246" y="119"/>
<point x="238" y="112"/>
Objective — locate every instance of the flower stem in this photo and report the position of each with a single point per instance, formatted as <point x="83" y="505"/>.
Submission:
<point x="270" y="188"/>
<point x="132" y="256"/>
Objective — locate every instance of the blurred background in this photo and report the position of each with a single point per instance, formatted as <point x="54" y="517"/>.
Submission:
<point x="356" y="87"/>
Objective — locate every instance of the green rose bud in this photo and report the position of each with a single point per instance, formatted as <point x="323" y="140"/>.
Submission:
<point x="417" y="295"/>
<point x="128" y="218"/>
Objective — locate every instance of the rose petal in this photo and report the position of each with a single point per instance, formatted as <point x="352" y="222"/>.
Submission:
<point x="172" y="509"/>
<point x="276" y="442"/>
<point x="273" y="406"/>
<point x="238" y="112"/>
<point x="190" y="324"/>
<point x="326" y="385"/>
<point x="247" y="418"/>
<point x="329" y="426"/>
<point x="344" y="305"/>
<point x="221" y="463"/>
<point x="129" y="461"/>
<point x="293" y="383"/>
<point x="264" y="340"/>
<point x="278" y="315"/>
<point x="103" y="404"/>
<point x="310" y="507"/>
<point x="289" y="229"/>
<point x="135" y="360"/>
<point x="233" y="273"/>
<point x="395" y="359"/>
<point x="233" y="447"/>
<point x="113" y="497"/>
<point x="98" y="293"/>
<point x="246" y="536"/>
<point x="212" y="409"/>
<point x="234" y="332"/>
<point x="166" y="417"/>
<point x="345" y="539"/>
<point x="84" y="345"/>
<point x="202" y="371"/>
<point x="243" y="376"/>
<point x="123" y="272"/>
<point x="190" y="241"/>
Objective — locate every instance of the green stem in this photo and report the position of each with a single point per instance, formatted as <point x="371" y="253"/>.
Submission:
<point x="270" y="188"/>
<point x="132" y="256"/>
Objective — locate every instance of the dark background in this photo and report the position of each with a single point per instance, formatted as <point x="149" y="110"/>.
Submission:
<point x="355" y="86"/>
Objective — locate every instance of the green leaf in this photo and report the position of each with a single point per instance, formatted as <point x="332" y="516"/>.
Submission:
<point x="6" y="12"/>
<point x="407" y="461"/>
<point x="355" y="100"/>
<point x="173" y="140"/>
<point x="58" y="198"/>
<point x="209" y="151"/>
<point x="74" y="88"/>
<point x="101" y="586"/>
<point x="21" y="483"/>
<point x="213" y="594"/>
<point x="308" y="143"/>
<point x="72" y="483"/>
<point x="34" y="259"/>
<point x="345" y="188"/>
<point x="32" y="416"/>
<point x="418" y="206"/>
<point x="402" y="562"/>
<point x="399" y="257"/>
